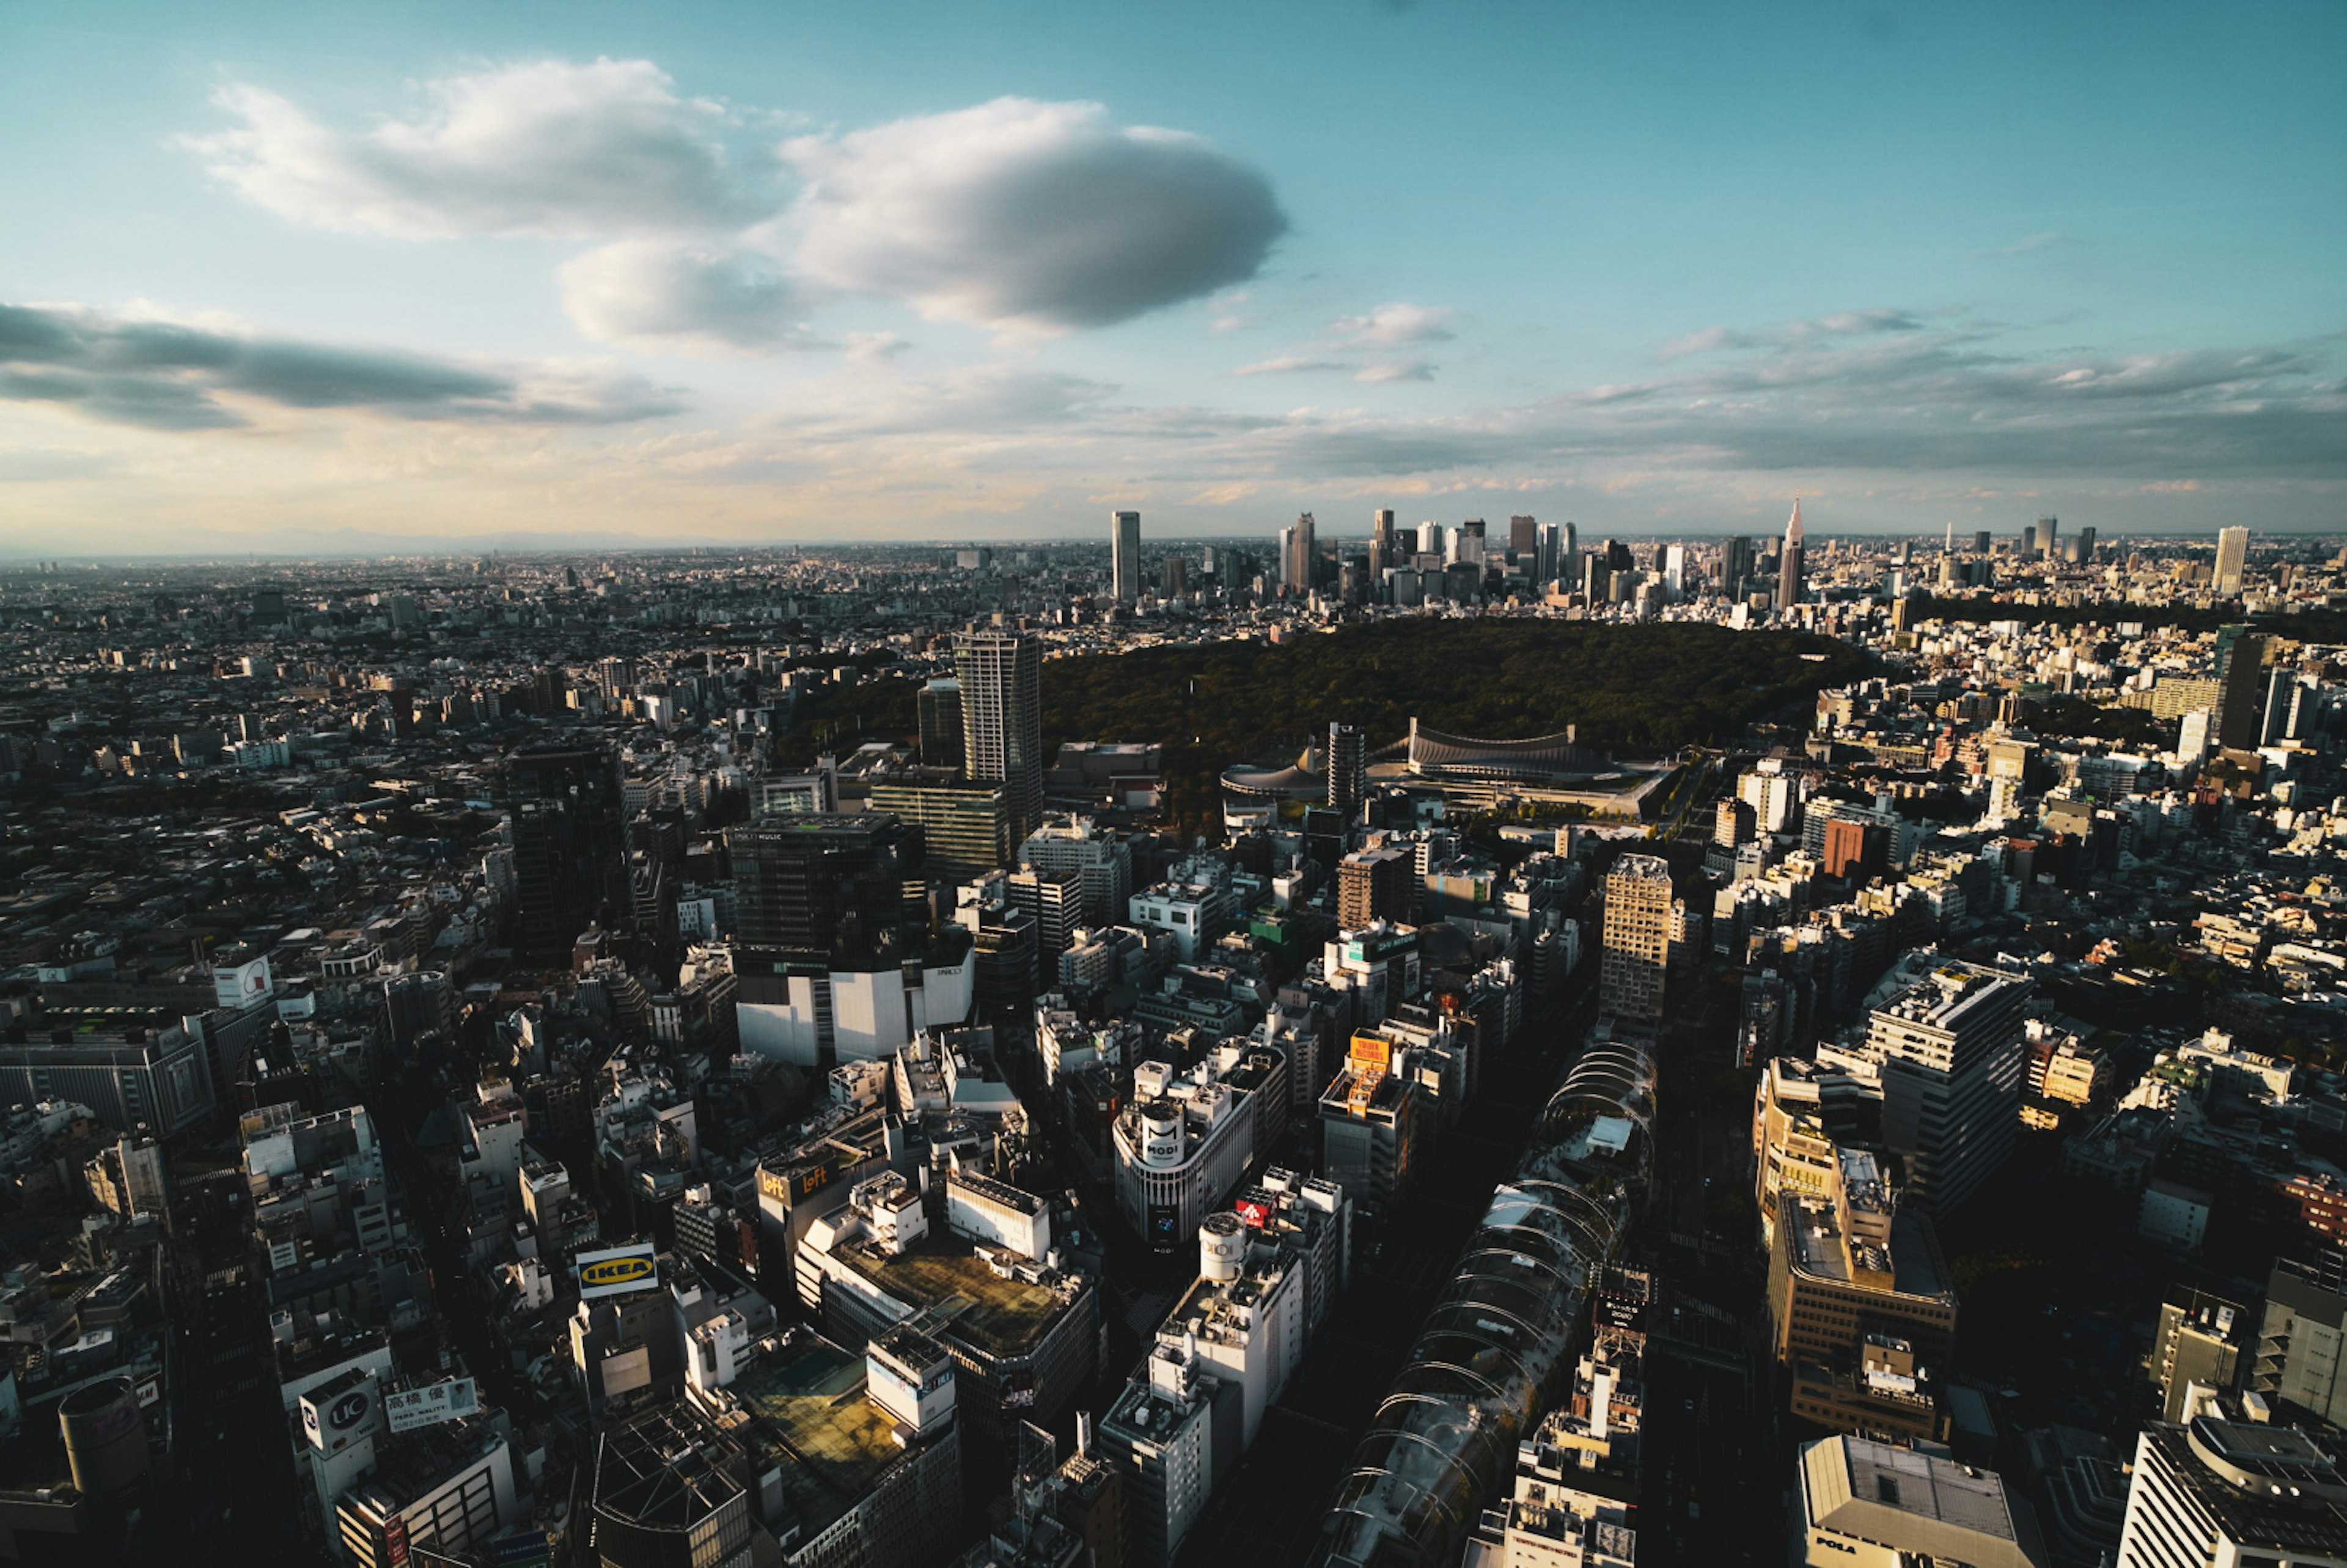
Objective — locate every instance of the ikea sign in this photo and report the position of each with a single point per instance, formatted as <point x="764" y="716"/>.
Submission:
<point x="615" y="1271"/>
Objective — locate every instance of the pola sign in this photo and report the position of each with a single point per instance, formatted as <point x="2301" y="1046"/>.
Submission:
<point x="615" y="1271"/>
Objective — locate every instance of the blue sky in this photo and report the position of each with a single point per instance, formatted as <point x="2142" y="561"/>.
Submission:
<point x="278" y="277"/>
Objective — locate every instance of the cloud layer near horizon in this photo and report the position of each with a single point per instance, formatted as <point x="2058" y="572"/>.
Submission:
<point x="684" y="227"/>
<point x="160" y="374"/>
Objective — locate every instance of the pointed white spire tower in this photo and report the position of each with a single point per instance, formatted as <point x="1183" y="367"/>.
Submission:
<point x="1789" y="583"/>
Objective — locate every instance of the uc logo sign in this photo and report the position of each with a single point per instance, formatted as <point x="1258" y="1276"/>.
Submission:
<point x="347" y="1411"/>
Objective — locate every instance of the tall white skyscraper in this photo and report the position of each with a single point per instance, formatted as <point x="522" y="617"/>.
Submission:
<point x="2232" y="559"/>
<point x="1430" y="537"/>
<point x="1675" y="572"/>
<point x="1001" y="676"/>
<point x="1124" y="556"/>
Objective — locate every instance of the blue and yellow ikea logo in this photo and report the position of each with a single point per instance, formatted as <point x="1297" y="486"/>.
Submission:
<point x="613" y="1271"/>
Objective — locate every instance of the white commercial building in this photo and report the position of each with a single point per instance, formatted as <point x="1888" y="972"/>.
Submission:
<point x="2219" y="1493"/>
<point x="1181" y="1146"/>
<point x="872" y="1013"/>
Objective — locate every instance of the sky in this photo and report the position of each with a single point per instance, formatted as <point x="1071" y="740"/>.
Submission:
<point x="282" y="278"/>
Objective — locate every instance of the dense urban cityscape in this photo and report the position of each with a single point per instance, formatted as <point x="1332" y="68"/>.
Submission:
<point x="1462" y="1043"/>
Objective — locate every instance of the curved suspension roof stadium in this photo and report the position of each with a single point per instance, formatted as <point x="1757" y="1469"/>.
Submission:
<point x="1495" y="1351"/>
<point x="1543" y="759"/>
<point x="1275" y="784"/>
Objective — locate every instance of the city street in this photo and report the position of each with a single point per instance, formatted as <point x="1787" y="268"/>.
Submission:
<point x="1272" y="1506"/>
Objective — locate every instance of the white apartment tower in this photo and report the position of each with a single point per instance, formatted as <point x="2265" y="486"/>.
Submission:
<point x="1637" y="936"/>
<point x="2232" y="559"/>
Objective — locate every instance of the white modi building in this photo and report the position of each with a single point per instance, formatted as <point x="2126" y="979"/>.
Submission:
<point x="1181" y="1148"/>
<point x="855" y="1015"/>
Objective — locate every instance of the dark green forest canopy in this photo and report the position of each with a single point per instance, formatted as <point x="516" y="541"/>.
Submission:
<point x="1634" y="688"/>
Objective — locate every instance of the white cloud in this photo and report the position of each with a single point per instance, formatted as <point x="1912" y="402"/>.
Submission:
<point x="1029" y="217"/>
<point x="1396" y="370"/>
<point x="874" y="348"/>
<point x="1873" y="323"/>
<point x="664" y="296"/>
<point x="1400" y="323"/>
<point x="1290" y="365"/>
<point x="546" y="147"/>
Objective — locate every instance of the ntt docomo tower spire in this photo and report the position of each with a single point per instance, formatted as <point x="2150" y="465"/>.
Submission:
<point x="1789" y="568"/>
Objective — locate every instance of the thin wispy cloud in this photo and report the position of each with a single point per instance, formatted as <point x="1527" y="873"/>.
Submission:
<point x="1789" y="334"/>
<point x="2029" y="245"/>
<point x="1362" y="346"/>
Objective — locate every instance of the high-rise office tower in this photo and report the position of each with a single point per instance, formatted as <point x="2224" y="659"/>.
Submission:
<point x="1124" y="556"/>
<point x="1981" y="542"/>
<point x="1523" y="538"/>
<point x="825" y="890"/>
<point x="1001" y="676"/>
<point x="1637" y="936"/>
<point x="1349" y="770"/>
<point x="2086" y="543"/>
<point x="1789" y="584"/>
<point x="1471" y="541"/>
<point x="2029" y="542"/>
<point x="1951" y="1051"/>
<point x="965" y="825"/>
<point x="1735" y="564"/>
<point x="939" y="703"/>
<point x="1596" y="576"/>
<point x="1430" y="537"/>
<point x="1570" y="545"/>
<point x="2241" y="688"/>
<point x="2048" y="540"/>
<point x="1299" y="555"/>
<point x="1675" y="572"/>
<point x="1550" y="553"/>
<point x="2232" y="559"/>
<point x="1382" y="544"/>
<point x="570" y="847"/>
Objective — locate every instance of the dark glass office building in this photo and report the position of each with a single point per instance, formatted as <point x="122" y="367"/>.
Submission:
<point x="570" y="847"/>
